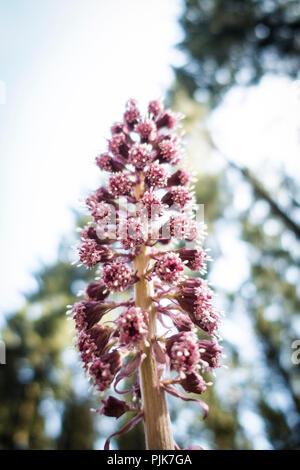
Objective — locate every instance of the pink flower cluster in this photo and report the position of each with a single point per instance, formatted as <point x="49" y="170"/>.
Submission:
<point x="146" y="205"/>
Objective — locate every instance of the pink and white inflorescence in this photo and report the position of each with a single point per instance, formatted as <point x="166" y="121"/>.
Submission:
<point x="146" y="206"/>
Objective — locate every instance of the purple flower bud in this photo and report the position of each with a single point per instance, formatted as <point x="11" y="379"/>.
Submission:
<point x="99" y="336"/>
<point x="133" y="326"/>
<point x="182" y="322"/>
<point x="107" y="163"/>
<point x="90" y="233"/>
<point x="86" y="314"/>
<point x="177" y="196"/>
<point x="155" y="108"/>
<point x="169" y="268"/>
<point x="140" y="155"/>
<point x="210" y="353"/>
<point x="103" y="212"/>
<point x="179" y="227"/>
<point x="117" y="128"/>
<point x="195" y="297"/>
<point x="120" y="184"/>
<point x="183" y="352"/>
<point x="195" y="259"/>
<point x="105" y="368"/>
<point x="146" y="128"/>
<point x="132" y="114"/>
<point x="100" y="195"/>
<point x="152" y="204"/>
<point x="86" y="348"/>
<point x="156" y="176"/>
<point x="132" y="233"/>
<point x="119" y="146"/>
<point x="93" y="343"/>
<point x="117" y="276"/>
<point x="168" y="150"/>
<point x="90" y="253"/>
<point x="168" y="120"/>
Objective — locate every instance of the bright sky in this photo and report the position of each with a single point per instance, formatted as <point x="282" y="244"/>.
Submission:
<point x="68" y="67"/>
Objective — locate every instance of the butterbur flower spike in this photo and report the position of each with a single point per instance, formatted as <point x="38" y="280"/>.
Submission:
<point x="138" y="219"/>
